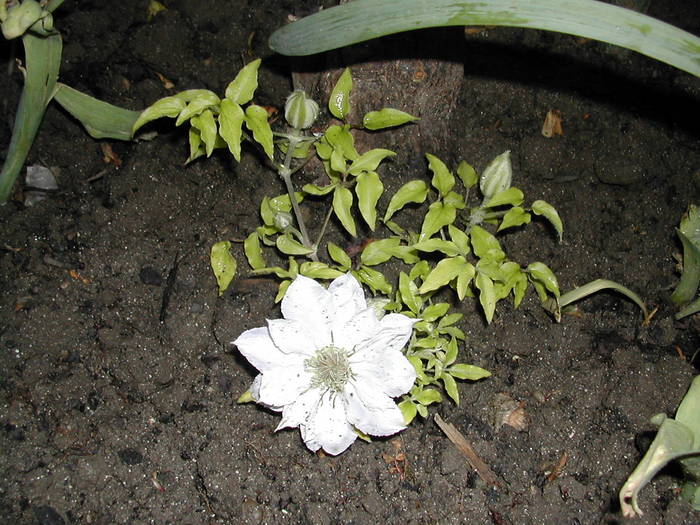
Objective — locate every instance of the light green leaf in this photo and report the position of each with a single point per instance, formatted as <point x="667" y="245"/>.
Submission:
<point x="516" y="216"/>
<point x="205" y="100"/>
<point x="485" y="245"/>
<point x="223" y="264"/>
<point x="420" y="269"/>
<point x="428" y="396"/>
<point x="407" y="254"/>
<point x="290" y="246"/>
<point x="197" y="149"/>
<point x="463" y="280"/>
<point x="548" y="212"/>
<point x="460" y="239"/>
<point x="446" y="270"/>
<point x="231" y="126"/>
<point x="256" y="121"/>
<point x="487" y="297"/>
<point x="339" y="101"/>
<point x="432" y="312"/>
<point x="339" y="256"/>
<point x="369" y="161"/>
<point x="377" y="252"/>
<point x="374" y="279"/>
<point x="519" y="289"/>
<point x="314" y="189"/>
<point x="282" y="290"/>
<point x="342" y="141"/>
<point x="342" y="203"/>
<point x="242" y="88"/>
<point x="449" y="320"/>
<point x="165" y="107"/>
<point x="455" y="200"/>
<point x="368" y="189"/>
<point x="451" y="354"/>
<point x="408" y="411"/>
<point x="206" y="125"/>
<point x="318" y="270"/>
<point x="413" y="191"/>
<point x="420" y="372"/>
<point x="443" y="180"/>
<point x="253" y="251"/>
<point x="512" y="196"/>
<point x="438" y="245"/>
<point x="386" y="118"/>
<point x="439" y="215"/>
<point x="467" y="174"/>
<point x="450" y="387"/>
<point x="540" y="272"/>
<point x="409" y="293"/>
<point x="470" y="372"/>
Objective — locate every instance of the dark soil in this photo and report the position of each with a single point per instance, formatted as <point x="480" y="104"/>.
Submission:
<point x="118" y="387"/>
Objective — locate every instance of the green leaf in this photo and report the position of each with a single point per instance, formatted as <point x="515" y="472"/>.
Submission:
<point x="206" y="125"/>
<point x="467" y="174"/>
<point x="460" y="239"/>
<point x="314" y="189"/>
<point x="368" y="189"/>
<point x="428" y="396"/>
<point x="541" y="273"/>
<point x="379" y="251"/>
<point x="443" y="180"/>
<point x="413" y="191"/>
<point x="420" y="269"/>
<point x="409" y="293"/>
<point x="386" y="118"/>
<point x="487" y="297"/>
<point x="446" y="270"/>
<point x="548" y="212"/>
<point x="318" y="270"/>
<point x="449" y="320"/>
<point x="165" y="107"/>
<point x="374" y="279"/>
<point x="282" y="290"/>
<point x="339" y="101"/>
<point x="516" y="216"/>
<point x="451" y="354"/>
<point x="231" y="120"/>
<point x="342" y="203"/>
<point x="455" y="200"/>
<point x="439" y="215"/>
<point x="463" y="280"/>
<point x="469" y="372"/>
<point x="512" y="196"/>
<point x="197" y="149"/>
<point x="223" y="264"/>
<point x="256" y="121"/>
<point x="450" y="387"/>
<point x="406" y="253"/>
<point x="485" y="245"/>
<point x="408" y="411"/>
<point x="242" y="88"/>
<point x="253" y="251"/>
<point x="205" y="100"/>
<point x="432" y="312"/>
<point x="290" y="246"/>
<point x="339" y="256"/>
<point x="438" y="245"/>
<point x="369" y="161"/>
<point x="342" y="141"/>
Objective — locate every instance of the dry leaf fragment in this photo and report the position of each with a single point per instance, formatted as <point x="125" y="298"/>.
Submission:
<point x="552" y="124"/>
<point x="558" y="467"/>
<point x="167" y="84"/>
<point x="109" y="156"/>
<point x="508" y="411"/>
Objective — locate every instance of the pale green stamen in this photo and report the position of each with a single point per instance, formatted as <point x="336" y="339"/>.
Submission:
<point x="330" y="369"/>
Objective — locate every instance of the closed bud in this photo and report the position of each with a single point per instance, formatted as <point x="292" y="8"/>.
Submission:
<point x="283" y="220"/>
<point x="497" y="176"/>
<point x="300" y="111"/>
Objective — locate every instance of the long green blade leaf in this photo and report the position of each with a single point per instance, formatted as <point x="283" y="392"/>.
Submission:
<point x="362" y="20"/>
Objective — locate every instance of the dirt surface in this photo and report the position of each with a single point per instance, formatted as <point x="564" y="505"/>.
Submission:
<point x="118" y="383"/>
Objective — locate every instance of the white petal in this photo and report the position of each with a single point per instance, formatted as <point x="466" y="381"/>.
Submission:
<point x="392" y="333"/>
<point x="281" y="386"/>
<point x="371" y="410"/>
<point x="292" y="337"/>
<point x="356" y="330"/>
<point x="296" y="413"/>
<point x="257" y="347"/>
<point x="309" y="303"/>
<point x="328" y="426"/>
<point x="348" y="299"/>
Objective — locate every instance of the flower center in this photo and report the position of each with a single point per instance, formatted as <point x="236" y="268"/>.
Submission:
<point x="330" y="368"/>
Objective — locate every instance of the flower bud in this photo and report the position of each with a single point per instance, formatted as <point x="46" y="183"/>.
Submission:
<point x="300" y="111"/>
<point x="283" y="220"/>
<point x="497" y="176"/>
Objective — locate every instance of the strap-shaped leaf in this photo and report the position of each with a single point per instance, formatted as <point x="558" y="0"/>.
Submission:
<point x="242" y="88"/>
<point x="231" y="120"/>
<point x="342" y="204"/>
<point x="386" y="118"/>
<point x="369" y="188"/>
<point x="256" y="121"/>
<point x="413" y="191"/>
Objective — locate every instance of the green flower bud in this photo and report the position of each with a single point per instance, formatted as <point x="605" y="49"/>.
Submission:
<point x="20" y="18"/>
<point x="283" y="220"/>
<point x="497" y="176"/>
<point x="300" y="111"/>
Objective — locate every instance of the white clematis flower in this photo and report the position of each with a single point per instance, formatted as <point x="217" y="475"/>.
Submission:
<point x="331" y="365"/>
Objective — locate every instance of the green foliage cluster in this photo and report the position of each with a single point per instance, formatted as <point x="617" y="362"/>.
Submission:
<point x="452" y="249"/>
